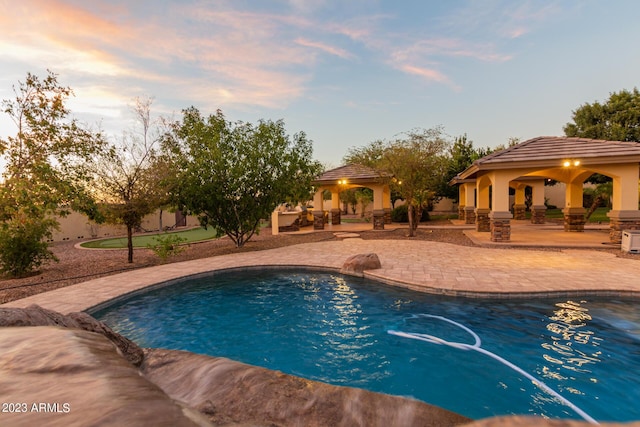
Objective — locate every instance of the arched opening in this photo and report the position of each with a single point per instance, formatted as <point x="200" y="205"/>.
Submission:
<point x="350" y="177"/>
<point x="568" y="160"/>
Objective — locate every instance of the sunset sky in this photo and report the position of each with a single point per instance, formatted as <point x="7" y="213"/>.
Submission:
<point x="346" y="72"/>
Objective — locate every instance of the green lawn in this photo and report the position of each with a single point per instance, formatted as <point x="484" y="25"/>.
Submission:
<point x="352" y="220"/>
<point x="192" y="235"/>
<point x="600" y="214"/>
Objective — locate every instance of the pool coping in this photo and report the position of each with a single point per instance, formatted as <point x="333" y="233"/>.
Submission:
<point x="424" y="266"/>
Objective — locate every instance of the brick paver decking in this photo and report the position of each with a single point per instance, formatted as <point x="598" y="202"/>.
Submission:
<point x="421" y="265"/>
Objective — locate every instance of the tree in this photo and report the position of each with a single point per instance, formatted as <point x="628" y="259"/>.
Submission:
<point x="233" y="175"/>
<point x="416" y="162"/>
<point x="460" y="156"/>
<point x="128" y="177"/>
<point x="618" y="119"/>
<point x="602" y="193"/>
<point x="46" y="171"/>
<point x="348" y="197"/>
<point x="364" y="196"/>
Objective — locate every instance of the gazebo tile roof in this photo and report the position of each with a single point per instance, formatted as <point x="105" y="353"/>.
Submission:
<point x="351" y="172"/>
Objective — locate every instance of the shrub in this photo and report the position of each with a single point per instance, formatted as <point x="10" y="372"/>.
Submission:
<point x="22" y="245"/>
<point x="401" y="214"/>
<point x="167" y="245"/>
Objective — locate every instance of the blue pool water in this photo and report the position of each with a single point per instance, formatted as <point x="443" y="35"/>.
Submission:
<point x="335" y="329"/>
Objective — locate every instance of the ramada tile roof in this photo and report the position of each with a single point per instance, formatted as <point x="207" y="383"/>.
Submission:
<point x="553" y="147"/>
<point x="548" y="151"/>
<point x="352" y="173"/>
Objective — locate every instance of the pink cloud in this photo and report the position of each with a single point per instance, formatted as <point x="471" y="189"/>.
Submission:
<point x="240" y="54"/>
<point x="332" y="50"/>
<point x="430" y="75"/>
<point x="453" y="48"/>
<point x="517" y="32"/>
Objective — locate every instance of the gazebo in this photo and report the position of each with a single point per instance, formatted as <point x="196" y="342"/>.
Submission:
<point x="484" y="186"/>
<point x="352" y="176"/>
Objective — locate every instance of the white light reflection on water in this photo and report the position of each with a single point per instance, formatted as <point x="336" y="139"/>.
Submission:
<point x="573" y="348"/>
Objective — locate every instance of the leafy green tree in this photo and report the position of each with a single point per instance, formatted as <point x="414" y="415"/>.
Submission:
<point x="128" y="178"/>
<point x="416" y="161"/>
<point x="371" y="155"/>
<point x="46" y="170"/>
<point x="618" y="119"/>
<point x="364" y="197"/>
<point x="460" y="156"/>
<point x="233" y="175"/>
<point x="602" y="193"/>
<point x="348" y="197"/>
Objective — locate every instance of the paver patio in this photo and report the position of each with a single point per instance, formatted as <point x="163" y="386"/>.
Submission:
<point x="421" y="265"/>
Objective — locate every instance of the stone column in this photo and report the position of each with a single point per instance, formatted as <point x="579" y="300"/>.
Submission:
<point x="573" y="209"/>
<point x="620" y="221"/>
<point x="500" y="223"/>
<point x="387" y="215"/>
<point x="574" y="219"/>
<point x="318" y="219"/>
<point x="483" y="223"/>
<point x="318" y="214"/>
<point x="461" y="212"/>
<point x="519" y="212"/>
<point x="378" y="219"/>
<point x="469" y="215"/>
<point x="538" y="213"/>
<point x="335" y="216"/>
<point x="335" y="207"/>
<point x="519" y="208"/>
<point x="386" y="203"/>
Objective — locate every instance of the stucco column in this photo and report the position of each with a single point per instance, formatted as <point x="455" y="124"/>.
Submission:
<point x="624" y="214"/>
<point x="538" y="208"/>
<point x="378" y="208"/>
<point x="500" y="193"/>
<point x="461" y="201"/>
<point x="573" y="209"/>
<point x="625" y="188"/>
<point x="274" y="223"/>
<point x="386" y="203"/>
<point x="318" y="214"/>
<point x="500" y="216"/>
<point x="482" y="210"/>
<point x="335" y="207"/>
<point x="469" y="202"/>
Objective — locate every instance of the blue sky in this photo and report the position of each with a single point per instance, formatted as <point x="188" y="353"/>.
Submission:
<point x="346" y="72"/>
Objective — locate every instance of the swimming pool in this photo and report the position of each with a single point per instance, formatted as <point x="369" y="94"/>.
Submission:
<point x="335" y="329"/>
